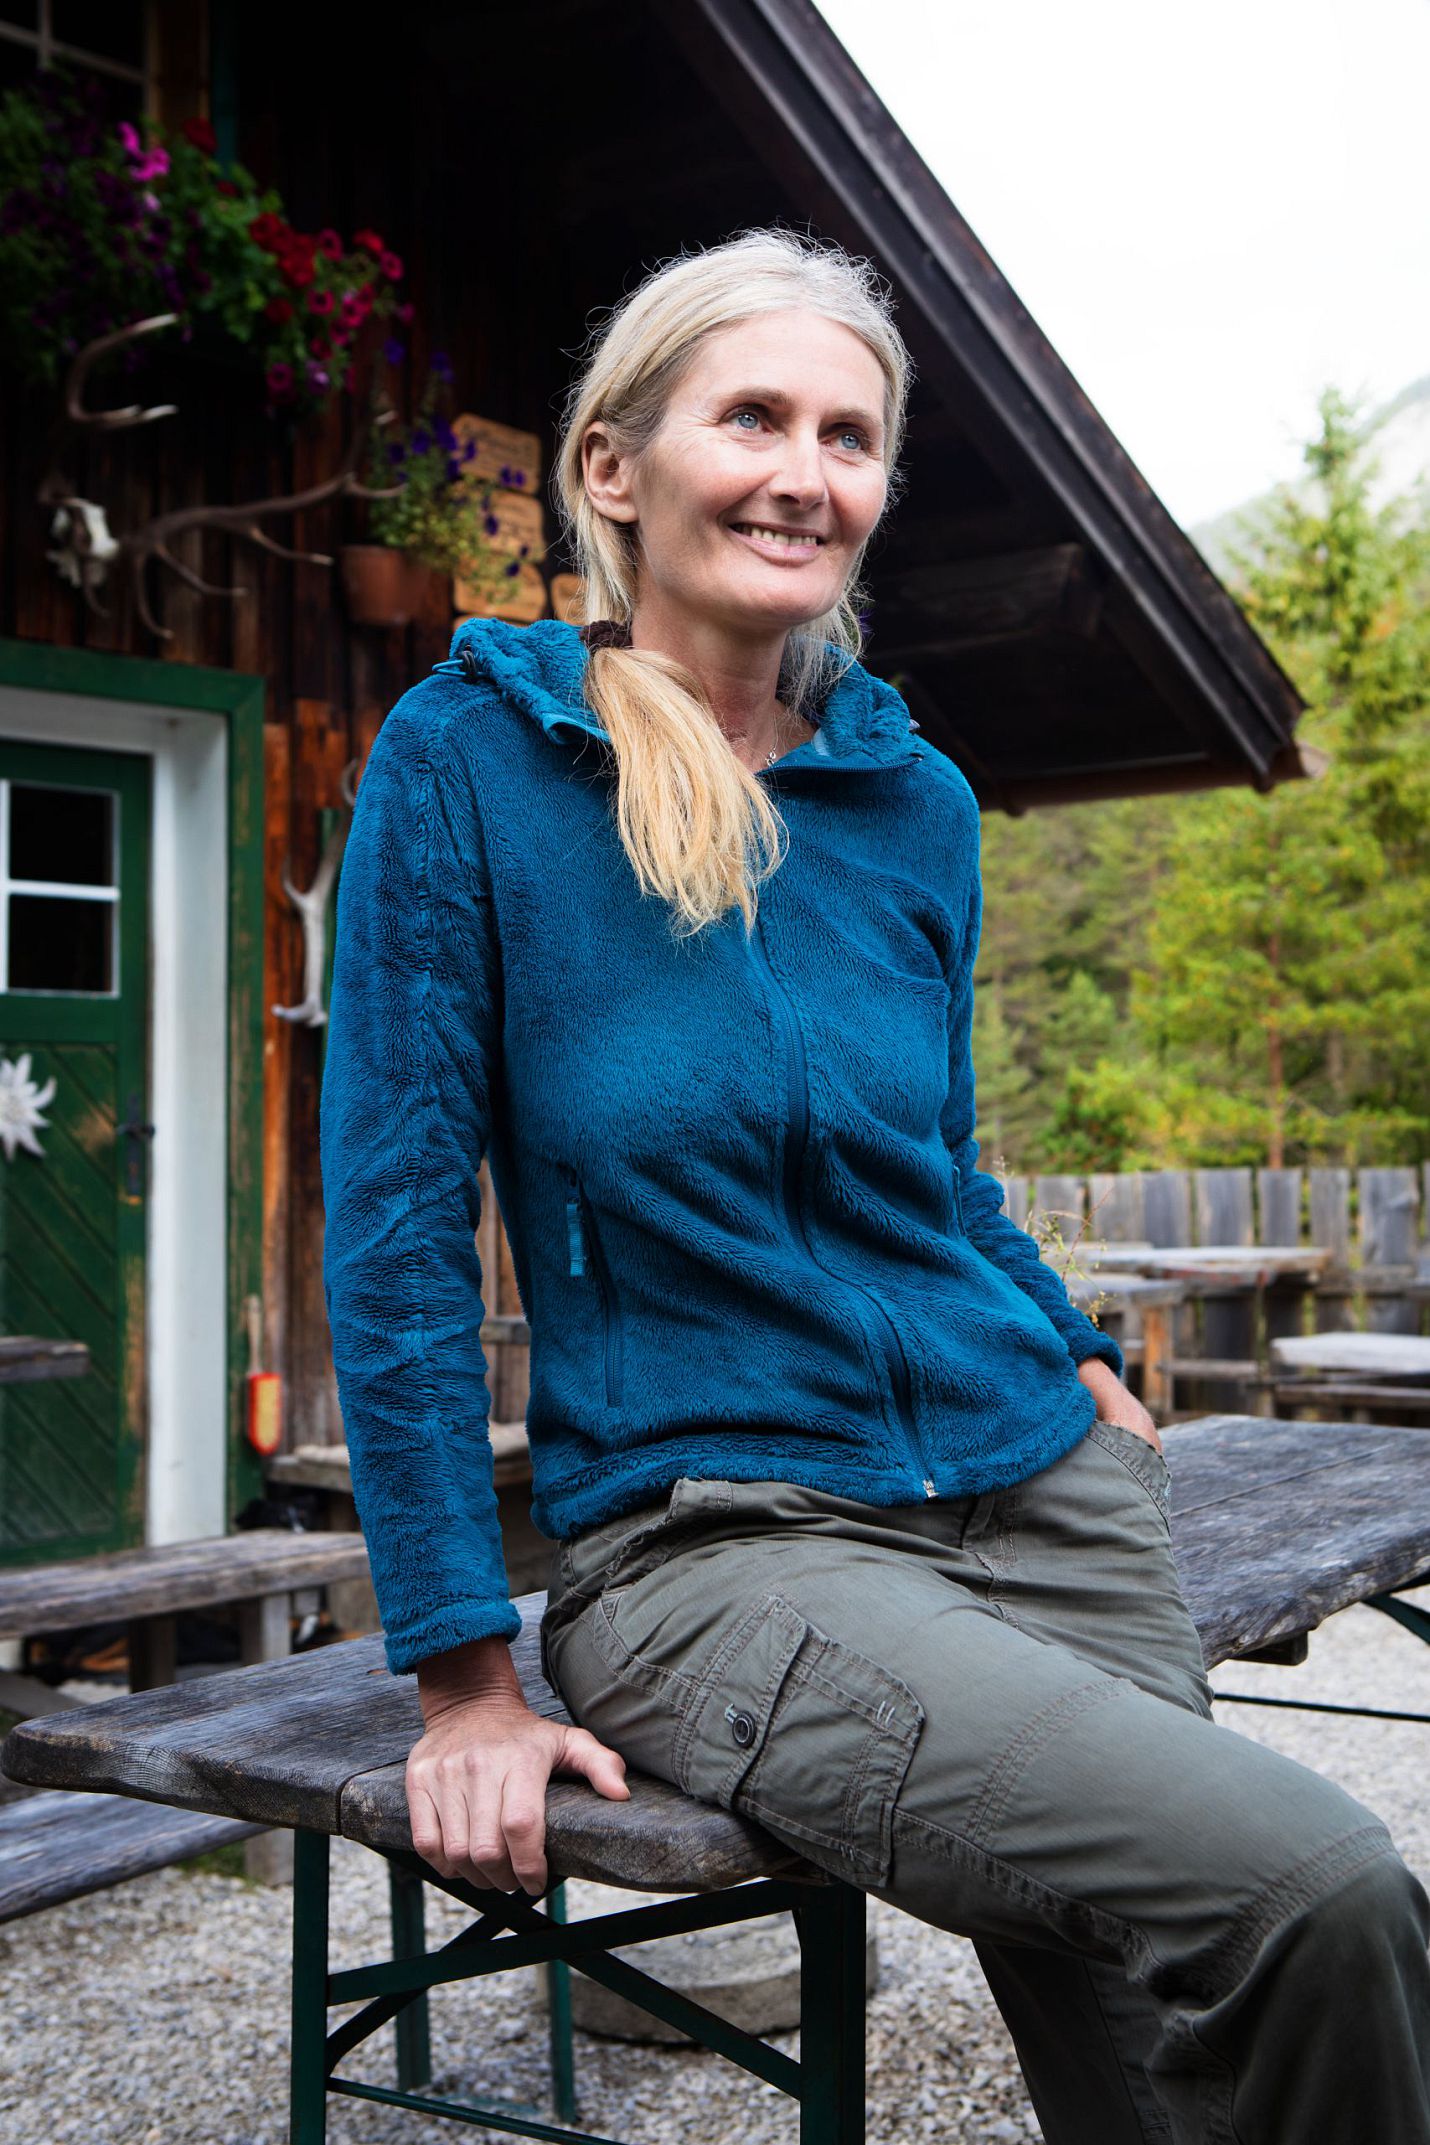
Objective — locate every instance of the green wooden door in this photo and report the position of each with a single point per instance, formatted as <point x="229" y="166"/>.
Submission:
<point x="74" y="993"/>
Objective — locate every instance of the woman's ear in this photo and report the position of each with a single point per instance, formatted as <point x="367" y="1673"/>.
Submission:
<point x="608" y="475"/>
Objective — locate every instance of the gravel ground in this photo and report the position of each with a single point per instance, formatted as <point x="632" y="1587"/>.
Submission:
<point x="156" y="2014"/>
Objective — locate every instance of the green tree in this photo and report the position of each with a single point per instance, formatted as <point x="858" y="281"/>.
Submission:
<point x="1286" y="1006"/>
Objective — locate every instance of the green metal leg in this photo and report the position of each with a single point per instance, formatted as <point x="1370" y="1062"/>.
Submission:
<point x="831" y="2016"/>
<point x="308" y="2099"/>
<point x="409" y="1941"/>
<point x="558" y="1996"/>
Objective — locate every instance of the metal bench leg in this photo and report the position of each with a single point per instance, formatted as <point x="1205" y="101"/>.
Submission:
<point x="308" y="2091"/>
<point x="558" y="1999"/>
<point x="831" y="2016"/>
<point x="409" y="1941"/>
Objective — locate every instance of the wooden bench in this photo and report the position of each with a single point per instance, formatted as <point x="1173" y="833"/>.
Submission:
<point x="55" y="1847"/>
<point x="259" y="1572"/>
<point x="1274" y="1528"/>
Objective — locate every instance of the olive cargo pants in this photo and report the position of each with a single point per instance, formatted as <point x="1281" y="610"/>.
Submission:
<point x="992" y="1711"/>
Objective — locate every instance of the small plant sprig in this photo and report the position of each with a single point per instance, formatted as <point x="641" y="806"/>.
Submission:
<point x="1045" y="1226"/>
<point x="441" y="516"/>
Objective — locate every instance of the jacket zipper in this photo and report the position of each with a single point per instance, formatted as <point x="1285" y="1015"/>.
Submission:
<point x="958" y="1198"/>
<point x="584" y="1244"/>
<point x="796" y="1136"/>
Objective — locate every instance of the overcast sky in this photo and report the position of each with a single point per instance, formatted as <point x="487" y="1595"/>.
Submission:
<point x="1211" y="210"/>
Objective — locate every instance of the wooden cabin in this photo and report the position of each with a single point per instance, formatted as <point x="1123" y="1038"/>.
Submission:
<point x="1053" y="629"/>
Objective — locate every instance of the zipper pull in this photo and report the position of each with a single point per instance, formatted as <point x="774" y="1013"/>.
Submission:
<point x="575" y="1241"/>
<point x="929" y="1490"/>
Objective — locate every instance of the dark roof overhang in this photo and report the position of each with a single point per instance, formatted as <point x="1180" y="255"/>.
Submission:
<point x="1054" y="629"/>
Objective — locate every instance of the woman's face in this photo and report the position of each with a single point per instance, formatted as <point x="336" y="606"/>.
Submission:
<point x="764" y="479"/>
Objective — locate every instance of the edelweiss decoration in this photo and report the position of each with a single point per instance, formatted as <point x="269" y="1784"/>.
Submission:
<point x="20" y="1105"/>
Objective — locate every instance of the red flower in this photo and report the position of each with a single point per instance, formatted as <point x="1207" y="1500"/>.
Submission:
<point x="330" y="243"/>
<point x="320" y="301"/>
<point x="278" y="310"/>
<point x="225" y="186"/>
<point x="391" y="266"/>
<point x="297" y="271"/>
<point x="371" y="242"/>
<point x="200" y="132"/>
<point x="264" y="230"/>
<point x="320" y="346"/>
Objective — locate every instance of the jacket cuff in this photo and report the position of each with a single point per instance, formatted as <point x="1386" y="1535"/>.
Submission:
<point x="1093" y="1342"/>
<point x="449" y="1627"/>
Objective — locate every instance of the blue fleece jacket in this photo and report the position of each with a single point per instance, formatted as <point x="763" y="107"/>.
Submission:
<point x="738" y="1177"/>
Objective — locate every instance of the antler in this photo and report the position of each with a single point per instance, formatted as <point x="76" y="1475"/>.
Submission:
<point x="87" y="550"/>
<point x="154" y="539"/>
<point x="80" y="364"/>
<point x="312" y="906"/>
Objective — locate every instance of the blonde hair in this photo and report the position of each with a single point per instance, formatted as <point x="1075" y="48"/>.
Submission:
<point x="699" y="829"/>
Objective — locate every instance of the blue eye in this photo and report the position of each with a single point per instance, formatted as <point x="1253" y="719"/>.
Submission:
<point x="753" y="415"/>
<point x="852" y="439"/>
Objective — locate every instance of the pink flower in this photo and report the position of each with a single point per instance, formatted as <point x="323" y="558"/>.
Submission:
<point x="280" y="379"/>
<point x="407" y="314"/>
<point x="391" y="266"/>
<point x="153" y="166"/>
<point x="130" y="138"/>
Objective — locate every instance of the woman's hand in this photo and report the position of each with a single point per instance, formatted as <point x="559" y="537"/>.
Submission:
<point x="1114" y="1403"/>
<point x="476" y="1780"/>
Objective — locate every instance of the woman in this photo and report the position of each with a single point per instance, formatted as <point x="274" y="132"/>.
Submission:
<point x="859" y="1530"/>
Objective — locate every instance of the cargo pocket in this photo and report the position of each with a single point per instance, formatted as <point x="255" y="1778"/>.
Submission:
<point x="792" y="1728"/>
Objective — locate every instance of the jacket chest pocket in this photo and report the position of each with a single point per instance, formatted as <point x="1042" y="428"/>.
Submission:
<point x="588" y="1263"/>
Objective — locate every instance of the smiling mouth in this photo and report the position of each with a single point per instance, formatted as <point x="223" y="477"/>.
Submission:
<point x="781" y="539"/>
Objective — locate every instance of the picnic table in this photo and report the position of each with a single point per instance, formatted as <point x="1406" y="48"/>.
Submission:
<point x="25" y="1359"/>
<point x="1272" y="1535"/>
<point x="1354" y="1372"/>
<point x="259" y="1572"/>
<point x="1232" y="1283"/>
<point x="1118" y="1299"/>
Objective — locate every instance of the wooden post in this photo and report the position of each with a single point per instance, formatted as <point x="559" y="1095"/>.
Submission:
<point x="153" y="1652"/>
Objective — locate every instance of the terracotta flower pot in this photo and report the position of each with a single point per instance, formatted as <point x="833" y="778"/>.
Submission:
<point x="383" y="586"/>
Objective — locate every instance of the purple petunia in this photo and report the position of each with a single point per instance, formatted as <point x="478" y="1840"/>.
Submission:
<point x="393" y="350"/>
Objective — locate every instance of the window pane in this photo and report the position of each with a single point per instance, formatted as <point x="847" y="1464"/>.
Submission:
<point x="58" y="945"/>
<point x="114" y="29"/>
<point x="64" y="835"/>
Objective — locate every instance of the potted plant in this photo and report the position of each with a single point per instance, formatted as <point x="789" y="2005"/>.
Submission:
<point x="440" y="522"/>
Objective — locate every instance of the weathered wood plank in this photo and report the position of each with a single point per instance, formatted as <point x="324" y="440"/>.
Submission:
<point x="55" y="1846"/>
<point x="1115" y="1202"/>
<point x="183" y="1575"/>
<point x="24" y="1360"/>
<point x="1167" y="1206"/>
<point x="1275" y="1528"/>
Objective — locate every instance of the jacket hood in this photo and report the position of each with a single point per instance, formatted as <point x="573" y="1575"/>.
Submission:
<point x="541" y="668"/>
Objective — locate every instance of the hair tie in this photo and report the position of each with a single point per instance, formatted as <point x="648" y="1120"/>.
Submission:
<point x="606" y="633"/>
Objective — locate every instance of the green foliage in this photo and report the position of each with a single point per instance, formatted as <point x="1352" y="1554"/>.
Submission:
<point x="1234" y="978"/>
<point x="100" y="226"/>
<point x="441" y="514"/>
<point x="1287" y="955"/>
